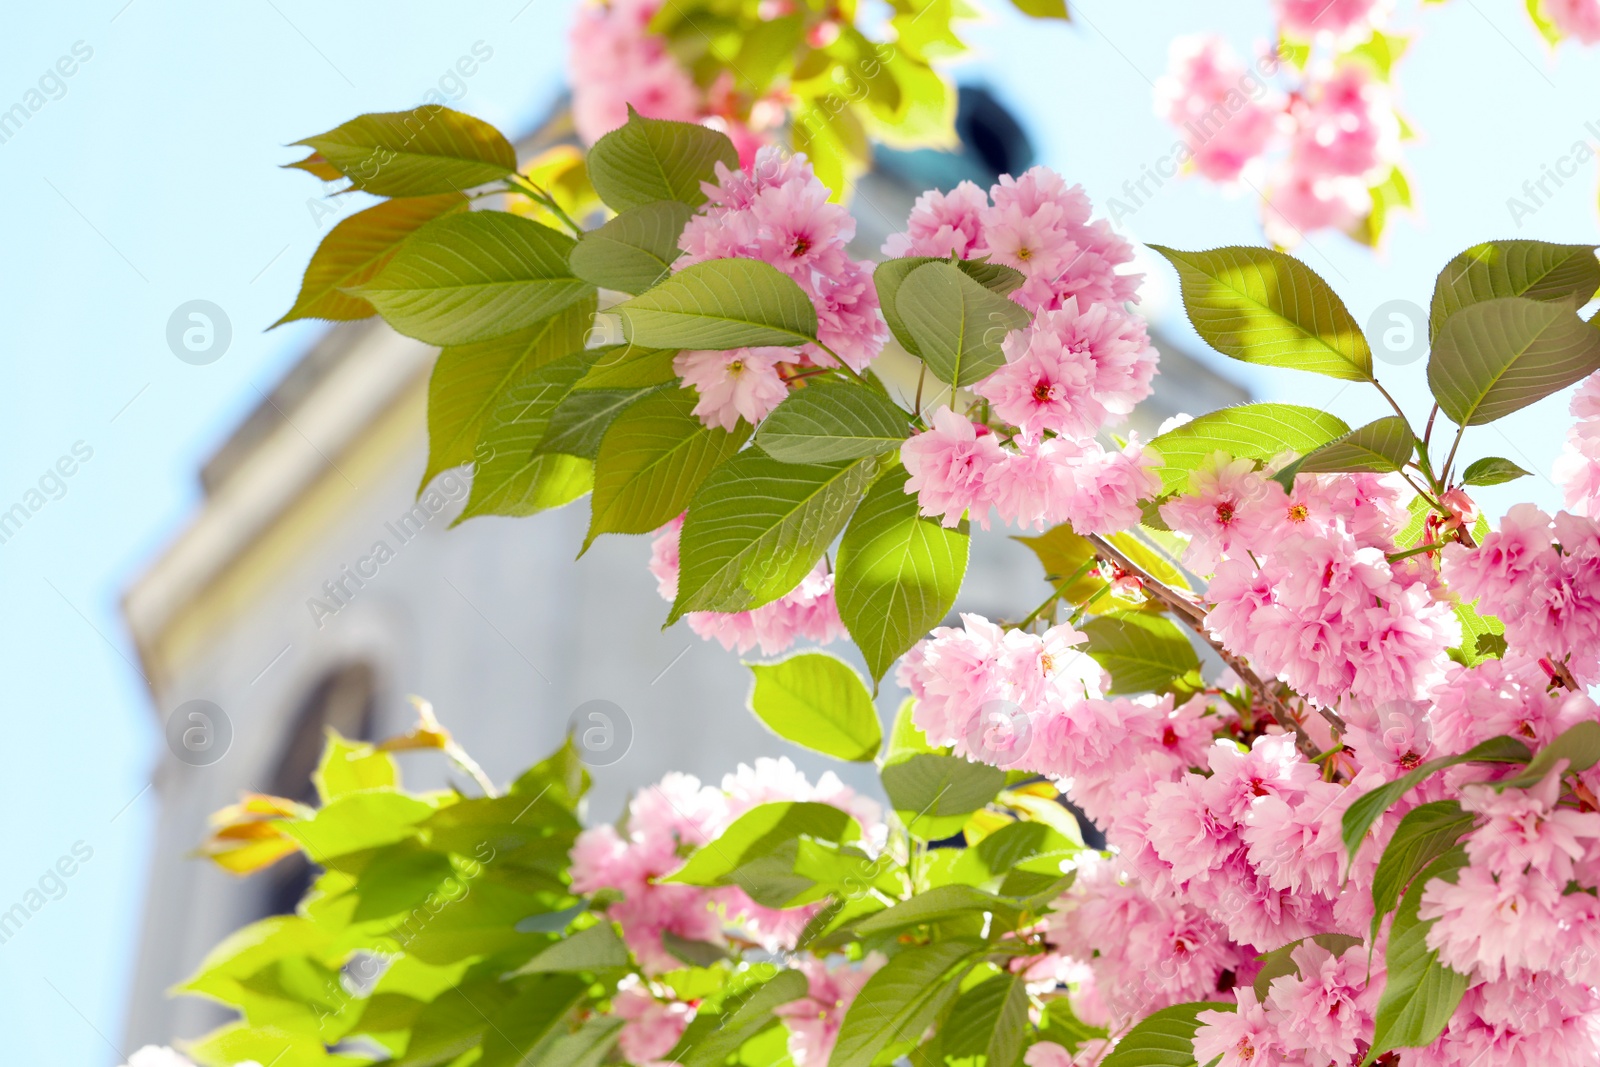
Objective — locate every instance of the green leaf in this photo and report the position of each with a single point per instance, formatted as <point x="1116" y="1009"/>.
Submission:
<point x="902" y="999"/>
<point x="357" y="821"/>
<point x="889" y="275"/>
<point x="1501" y="355"/>
<point x="516" y="1031"/>
<point x="427" y="150"/>
<point x="1567" y="274"/>
<point x="1381" y="446"/>
<point x="936" y="785"/>
<point x="651" y="461"/>
<point x="758" y="526"/>
<point x="652" y="159"/>
<point x="1248" y="431"/>
<point x="957" y="323"/>
<point x="633" y="251"/>
<point x="1043" y="9"/>
<point x="475" y="275"/>
<point x="470" y="381"/>
<point x="1492" y="470"/>
<point x="1163" y="1038"/>
<point x="898" y="572"/>
<point x="629" y="367"/>
<point x="356" y="249"/>
<point x="351" y="766"/>
<point x="594" y="949"/>
<point x="1482" y="636"/>
<point x="721" y="304"/>
<point x="1579" y="745"/>
<point x="1360" y="816"/>
<point x="1419" y="993"/>
<point x="513" y="479"/>
<point x="829" y="421"/>
<point x="712" y="1042"/>
<point x="817" y="701"/>
<point x="989" y="1020"/>
<point x="579" y="423"/>
<point x="1144" y="653"/>
<point x="1426" y="832"/>
<point x="940" y="904"/>
<point x="1268" y="308"/>
<point x="759" y="832"/>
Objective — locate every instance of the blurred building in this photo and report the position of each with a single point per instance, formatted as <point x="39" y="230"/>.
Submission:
<point x="492" y="621"/>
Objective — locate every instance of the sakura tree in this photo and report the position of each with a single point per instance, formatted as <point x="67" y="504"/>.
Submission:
<point x="1333" y="724"/>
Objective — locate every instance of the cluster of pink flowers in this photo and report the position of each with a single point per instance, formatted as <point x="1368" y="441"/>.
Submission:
<point x="1303" y="585"/>
<point x="1078" y="367"/>
<point x="1037" y="224"/>
<point x="1319" y="148"/>
<point x="616" y="62"/>
<point x="1578" y="469"/>
<point x="1227" y="839"/>
<point x="777" y="212"/>
<point x="664" y="821"/>
<point x="1541" y="577"/>
<point x="813" y="1020"/>
<point x="809" y="611"/>
<point x="1574" y="18"/>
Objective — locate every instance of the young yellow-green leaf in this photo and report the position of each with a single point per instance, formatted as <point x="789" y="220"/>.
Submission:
<point x="633" y="251"/>
<point x="817" y="701"/>
<point x="1482" y="636"/>
<point x="1499" y="356"/>
<point x="1492" y="470"/>
<point x="1268" y="308"/>
<point x="889" y="275"/>
<point x="512" y="479"/>
<point x="828" y="421"/>
<point x="356" y="249"/>
<point x="537" y="1011"/>
<point x="351" y="766"/>
<point x="721" y="304"/>
<point x="1144" y="653"/>
<point x="1248" y="431"/>
<point x="1163" y="1038"/>
<point x="1537" y="270"/>
<point x="1419" y="993"/>
<point x="1426" y="832"/>
<point x="898" y="572"/>
<point x="652" y="159"/>
<point x="761" y="831"/>
<point x="475" y="275"/>
<point x="1043" y="9"/>
<point x="903" y="999"/>
<point x="470" y="380"/>
<point x="758" y="526"/>
<point x="651" y="460"/>
<point x="957" y="323"/>
<point x="421" y="152"/>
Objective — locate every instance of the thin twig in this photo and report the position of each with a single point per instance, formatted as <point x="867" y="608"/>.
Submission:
<point x="1193" y="616"/>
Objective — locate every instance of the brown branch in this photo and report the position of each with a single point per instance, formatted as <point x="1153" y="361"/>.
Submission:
<point x="1194" y="617"/>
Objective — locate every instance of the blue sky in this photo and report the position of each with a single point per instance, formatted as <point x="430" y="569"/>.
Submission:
<point x="152" y="181"/>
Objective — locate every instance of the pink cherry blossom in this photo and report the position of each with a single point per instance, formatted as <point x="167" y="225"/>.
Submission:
<point x="1228" y="115"/>
<point x="949" y="464"/>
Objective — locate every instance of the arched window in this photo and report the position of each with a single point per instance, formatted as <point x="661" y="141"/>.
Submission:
<point x="342" y="699"/>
